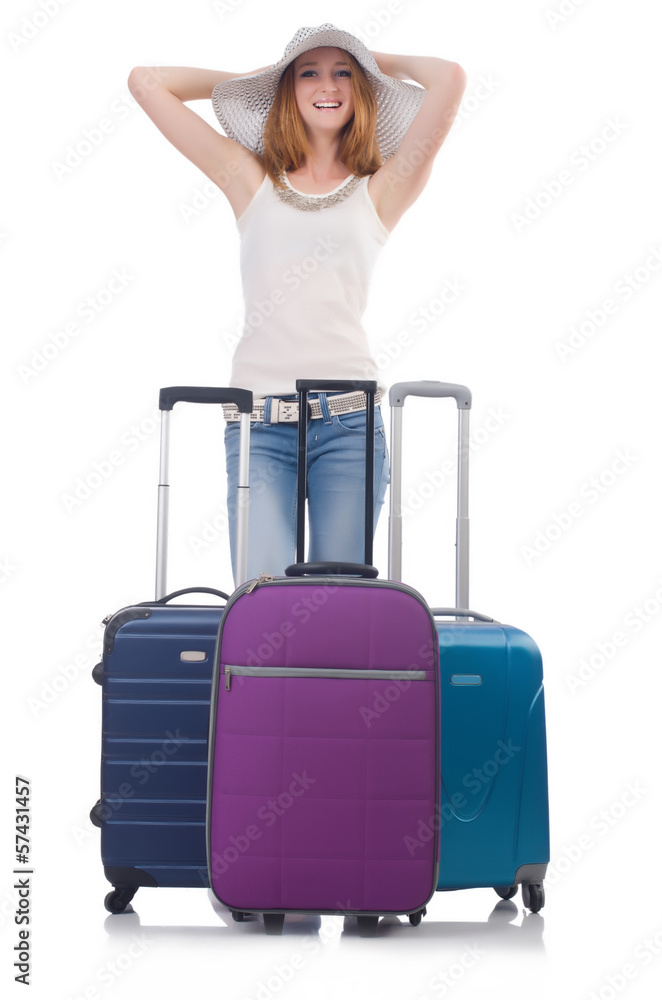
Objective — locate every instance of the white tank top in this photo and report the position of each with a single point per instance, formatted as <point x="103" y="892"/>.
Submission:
<point x="305" y="277"/>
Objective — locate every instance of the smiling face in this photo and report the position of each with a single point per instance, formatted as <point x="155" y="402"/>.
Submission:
<point x="323" y="88"/>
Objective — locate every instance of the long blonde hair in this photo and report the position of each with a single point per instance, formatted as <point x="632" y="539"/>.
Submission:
<point x="285" y="142"/>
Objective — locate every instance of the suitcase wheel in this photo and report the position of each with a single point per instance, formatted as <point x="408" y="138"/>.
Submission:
<point x="273" y="923"/>
<point x="506" y="891"/>
<point x="97" y="673"/>
<point x="95" y="813"/>
<point x="533" y="896"/>
<point x="368" y="926"/>
<point x="415" y="918"/>
<point x="238" y="915"/>
<point x="118" y="900"/>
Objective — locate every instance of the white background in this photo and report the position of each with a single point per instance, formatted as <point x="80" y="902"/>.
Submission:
<point x="577" y="564"/>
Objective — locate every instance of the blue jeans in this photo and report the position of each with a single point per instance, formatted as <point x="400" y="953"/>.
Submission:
<point x="336" y="501"/>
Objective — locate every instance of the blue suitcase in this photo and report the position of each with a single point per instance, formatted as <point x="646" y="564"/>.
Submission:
<point x="156" y="677"/>
<point x="494" y="815"/>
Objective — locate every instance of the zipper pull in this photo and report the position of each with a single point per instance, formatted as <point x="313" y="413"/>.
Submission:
<point x="262" y="578"/>
<point x="228" y="675"/>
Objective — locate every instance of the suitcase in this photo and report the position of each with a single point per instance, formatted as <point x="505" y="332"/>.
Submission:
<point x="156" y="681"/>
<point x="324" y="763"/>
<point x="494" y="815"/>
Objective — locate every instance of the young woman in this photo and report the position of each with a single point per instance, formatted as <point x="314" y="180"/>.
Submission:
<point x="323" y="153"/>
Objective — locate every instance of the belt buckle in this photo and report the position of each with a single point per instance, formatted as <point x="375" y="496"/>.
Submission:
<point x="288" y="411"/>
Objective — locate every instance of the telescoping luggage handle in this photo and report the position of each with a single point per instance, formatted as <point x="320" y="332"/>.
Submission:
<point x="303" y="387"/>
<point x="243" y="399"/>
<point x="462" y="396"/>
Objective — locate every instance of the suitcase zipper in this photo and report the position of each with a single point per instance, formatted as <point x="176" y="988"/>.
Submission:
<point x="335" y="672"/>
<point x="262" y="578"/>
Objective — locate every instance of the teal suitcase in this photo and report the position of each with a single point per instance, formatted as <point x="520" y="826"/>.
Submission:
<point x="493" y="820"/>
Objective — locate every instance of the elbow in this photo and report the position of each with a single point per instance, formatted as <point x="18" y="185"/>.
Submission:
<point x="449" y="78"/>
<point x="142" y="80"/>
<point x="134" y="78"/>
<point x="456" y="78"/>
<point x="452" y="81"/>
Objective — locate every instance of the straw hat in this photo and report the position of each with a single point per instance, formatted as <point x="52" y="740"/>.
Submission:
<point x="242" y="104"/>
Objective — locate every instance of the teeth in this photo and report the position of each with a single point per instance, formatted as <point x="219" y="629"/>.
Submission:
<point x="327" y="104"/>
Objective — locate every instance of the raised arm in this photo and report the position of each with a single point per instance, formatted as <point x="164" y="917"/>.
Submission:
<point x="162" y="92"/>
<point x="400" y="180"/>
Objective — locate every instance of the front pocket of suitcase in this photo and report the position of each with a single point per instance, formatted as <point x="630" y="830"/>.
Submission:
<point x="324" y="789"/>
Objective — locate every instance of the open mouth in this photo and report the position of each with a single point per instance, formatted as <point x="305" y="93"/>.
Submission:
<point x="327" y="105"/>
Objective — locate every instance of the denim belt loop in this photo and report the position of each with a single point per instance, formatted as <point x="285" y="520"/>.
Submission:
<point x="324" y="405"/>
<point x="267" y="410"/>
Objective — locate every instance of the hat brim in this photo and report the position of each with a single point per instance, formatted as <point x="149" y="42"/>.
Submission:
<point x="242" y="104"/>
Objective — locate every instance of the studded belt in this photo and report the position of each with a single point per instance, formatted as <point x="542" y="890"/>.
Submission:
<point x="286" y="411"/>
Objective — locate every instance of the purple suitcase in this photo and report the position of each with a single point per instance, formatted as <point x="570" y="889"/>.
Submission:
<point x="324" y="764"/>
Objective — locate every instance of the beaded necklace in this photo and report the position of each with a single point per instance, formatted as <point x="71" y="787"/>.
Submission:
<point x="313" y="202"/>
